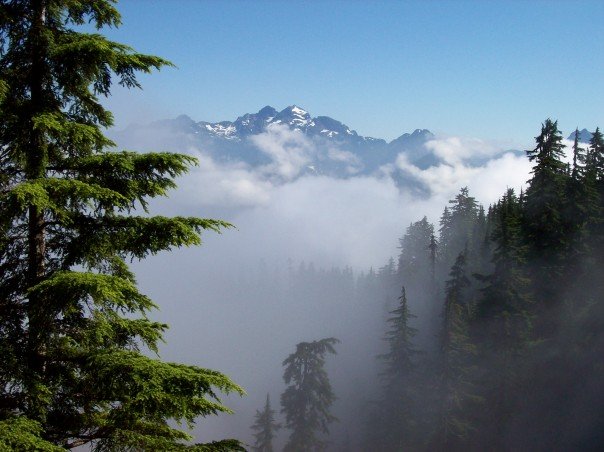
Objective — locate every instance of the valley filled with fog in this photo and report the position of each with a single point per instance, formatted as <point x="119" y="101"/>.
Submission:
<point x="316" y="222"/>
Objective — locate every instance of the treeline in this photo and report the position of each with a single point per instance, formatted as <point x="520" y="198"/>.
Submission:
<point x="506" y="350"/>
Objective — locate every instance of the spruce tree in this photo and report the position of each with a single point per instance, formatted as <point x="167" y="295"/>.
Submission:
<point x="308" y="396"/>
<point x="265" y="428"/>
<point x="75" y="336"/>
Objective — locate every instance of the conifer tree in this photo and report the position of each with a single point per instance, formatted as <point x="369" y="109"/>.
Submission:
<point x="596" y="153"/>
<point x="577" y="190"/>
<point x="309" y="396"/>
<point x="74" y="332"/>
<point x="545" y="224"/>
<point x="445" y="232"/>
<point x="397" y="410"/>
<point x="503" y="320"/>
<point x="414" y="258"/>
<point x="457" y="226"/>
<point x="265" y="428"/>
<point x="594" y="188"/>
<point x="457" y="389"/>
<point x="433" y="247"/>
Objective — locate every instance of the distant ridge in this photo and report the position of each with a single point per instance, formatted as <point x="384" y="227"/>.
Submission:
<point x="584" y="136"/>
<point x="338" y="150"/>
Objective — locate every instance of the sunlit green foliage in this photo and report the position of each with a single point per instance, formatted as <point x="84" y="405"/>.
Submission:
<point x="75" y="335"/>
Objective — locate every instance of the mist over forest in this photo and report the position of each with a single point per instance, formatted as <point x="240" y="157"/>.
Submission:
<point x="318" y="256"/>
<point x="279" y="281"/>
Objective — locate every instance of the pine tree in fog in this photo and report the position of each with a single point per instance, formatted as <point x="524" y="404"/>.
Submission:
<point x="503" y="322"/>
<point x="308" y="397"/>
<point x="457" y="226"/>
<point x="518" y="366"/>
<point x="395" y="418"/>
<point x="456" y="388"/>
<point x="265" y="428"/>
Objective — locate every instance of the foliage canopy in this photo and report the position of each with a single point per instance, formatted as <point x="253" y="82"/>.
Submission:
<point x="74" y="328"/>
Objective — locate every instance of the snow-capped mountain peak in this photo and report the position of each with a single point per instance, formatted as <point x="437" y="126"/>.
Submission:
<point x="298" y="111"/>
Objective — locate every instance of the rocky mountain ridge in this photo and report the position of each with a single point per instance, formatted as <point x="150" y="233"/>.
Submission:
<point x="234" y="140"/>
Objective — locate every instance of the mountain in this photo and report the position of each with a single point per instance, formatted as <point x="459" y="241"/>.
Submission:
<point x="264" y="140"/>
<point x="293" y="117"/>
<point x="584" y="136"/>
<point x="233" y="141"/>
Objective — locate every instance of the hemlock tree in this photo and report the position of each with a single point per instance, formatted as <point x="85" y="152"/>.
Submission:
<point x="265" y="428"/>
<point x="73" y="326"/>
<point x="308" y="397"/>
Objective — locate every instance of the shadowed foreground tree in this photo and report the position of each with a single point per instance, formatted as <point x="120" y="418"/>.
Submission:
<point x="74" y="333"/>
<point x="308" y="397"/>
<point x="265" y="428"/>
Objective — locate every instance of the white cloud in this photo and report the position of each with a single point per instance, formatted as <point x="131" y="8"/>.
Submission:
<point x="289" y="150"/>
<point x="481" y="165"/>
<point x="457" y="149"/>
<point x="281" y="213"/>
<point x="234" y="185"/>
<point x="354" y="221"/>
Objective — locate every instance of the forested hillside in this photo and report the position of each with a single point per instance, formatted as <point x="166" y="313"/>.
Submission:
<point x="511" y="298"/>
<point x="485" y="333"/>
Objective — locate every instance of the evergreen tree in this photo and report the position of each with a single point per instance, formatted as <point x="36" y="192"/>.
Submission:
<point x="414" y="259"/>
<point x="397" y="410"/>
<point x="433" y="252"/>
<point x="503" y="320"/>
<point x="445" y="233"/>
<point x="457" y="226"/>
<point x="265" y="428"/>
<point x="457" y="390"/>
<point x="544" y="222"/>
<point x="74" y="331"/>
<point x="596" y="153"/>
<point x="308" y="397"/>
<point x="594" y="190"/>
<point x="577" y="190"/>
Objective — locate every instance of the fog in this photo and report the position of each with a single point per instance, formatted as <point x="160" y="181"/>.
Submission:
<point x="288" y="270"/>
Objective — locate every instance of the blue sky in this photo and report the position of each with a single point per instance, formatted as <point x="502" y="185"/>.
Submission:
<point x="487" y="69"/>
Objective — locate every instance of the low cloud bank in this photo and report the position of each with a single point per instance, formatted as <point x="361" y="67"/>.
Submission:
<point x="336" y="221"/>
<point x="224" y="316"/>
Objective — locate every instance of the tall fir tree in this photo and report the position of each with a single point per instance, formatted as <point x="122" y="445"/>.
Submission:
<point x="457" y="227"/>
<point x="414" y="258"/>
<point x="397" y="413"/>
<point x="308" y="397"/>
<point x="503" y="322"/>
<point x="457" y="391"/>
<point x="265" y="428"/>
<point x="594" y="183"/>
<point x="577" y="204"/>
<point x="74" y="328"/>
<point x="544" y="221"/>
